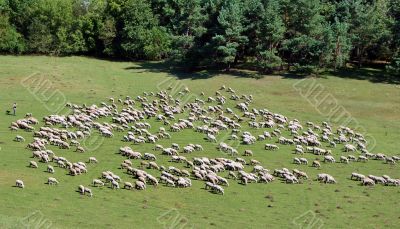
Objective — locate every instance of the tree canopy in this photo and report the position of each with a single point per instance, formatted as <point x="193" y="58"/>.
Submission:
<point x="267" y="35"/>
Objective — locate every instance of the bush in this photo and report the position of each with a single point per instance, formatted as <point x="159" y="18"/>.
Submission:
<point x="269" y="61"/>
<point x="10" y="40"/>
<point x="394" y="67"/>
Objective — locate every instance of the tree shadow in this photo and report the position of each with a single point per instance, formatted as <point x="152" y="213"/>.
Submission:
<point x="181" y="73"/>
<point x="375" y="75"/>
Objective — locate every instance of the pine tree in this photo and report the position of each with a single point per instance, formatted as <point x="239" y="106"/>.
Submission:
<point x="272" y="31"/>
<point x="370" y="27"/>
<point x="229" y="38"/>
<point x="306" y="28"/>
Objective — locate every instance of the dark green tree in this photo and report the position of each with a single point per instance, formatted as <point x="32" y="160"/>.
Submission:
<point x="304" y="44"/>
<point x="370" y="27"/>
<point x="271" y="35"/>
<point x="229" y="38"/>
<point x="10" y="40"/>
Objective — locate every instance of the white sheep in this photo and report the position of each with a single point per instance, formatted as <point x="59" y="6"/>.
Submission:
<point x="19" y="184"/>
<point x="329" y="159"/>
<point x="344" y="159"/>
<point x="81" y="189"/>
<point x="211" y="138"/>
<point x="114" y="184"/>
<point x="362" y="158"/>
<point x="33" y="164"/>
<point x="368" y="181"/>
<point x="303" y="160"/>
<point x="88" y="191"/>
<point x="92" y="160"/>
<point x="52" y="181"/>
<point x="50" y="169"/>
<point x="296" y="161"/>
<point x="80" y="149"/>
<point x="19" y="138"/>
<point x="316" y="164"/>
<point x="128" y="185"/>
<point x="349" y="147"/>
<point x="357" y="176"/>
<point x="96" y="182"/>
<point x="218" y="189"/>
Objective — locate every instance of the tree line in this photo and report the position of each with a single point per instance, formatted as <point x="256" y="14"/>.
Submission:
<point x="266" y="35"/>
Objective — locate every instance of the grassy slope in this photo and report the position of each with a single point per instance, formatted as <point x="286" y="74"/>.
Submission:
<point x="84" y="80"/>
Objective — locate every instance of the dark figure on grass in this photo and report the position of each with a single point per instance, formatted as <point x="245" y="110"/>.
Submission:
<point x="14" y="108"/>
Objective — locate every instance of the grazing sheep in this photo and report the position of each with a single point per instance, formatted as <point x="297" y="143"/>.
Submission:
<point x="52" y="181"/>
<point x="153" y="165"/>
<point x="50" y="169"/>
<point x="170" y="183"/>
<point x="351" y="158"/>
<point x="299" y="151"/>
<point x="296" y="161"/>
<point x="92" y="160"/>
<point x="143" y="164"/>
<point x="97" y="182"/>
<point x="88" y="191"/>
<point x="362" y="158"/>
<point x="149" y="156"/>
<point x="390" y="160"/>
<point x="211" y="138"/>
<point x="330" y="180"/>
<point x="316" y="164"/>
<point x="349" y="147"/>
<point x="271" y="147"/>
<point x="128" y="185"/>
<point x="326" y="178"/>
<point x="33" y="164"/>
<point x="80" y="149"/>
<point x="152" y="180"/>
<point x="329" y="159"/>
<point x="75" y="143"/>
<point x="254" y="162"/>
<point x="248" y="153"/>
<point x="368" y="182"/>
<point x="357" y="176"/>
<point x="73" y="172"/>
<point x="344" y="159"/>
<point x="303" y="160"/>
<point x="19" y="184"/>
<point x="185" y="173"/>
<point x="198" y="147"/>
<point x="209" y="185"/>
<point x="83" y="120"/>
<point x="232" y="175"/>
<point x="396" y="158"/>
<point x="19" y="138"/>
<point x="218" y="189"/>
<point x="222" y="181"/>
<point x="81" y="189"/>
<point x="175" y="146"/>
<point x="184" y="182"/>
<point x="114" y="184"/>
<point x="291" y="179"/>
<point x="158" y="147"/>
<point x="61" y="164"/>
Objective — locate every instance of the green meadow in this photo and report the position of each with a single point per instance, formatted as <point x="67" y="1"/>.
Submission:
<point x="373" y="107"/>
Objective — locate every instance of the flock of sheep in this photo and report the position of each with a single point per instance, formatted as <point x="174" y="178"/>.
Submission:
<point x="208" y="117"/>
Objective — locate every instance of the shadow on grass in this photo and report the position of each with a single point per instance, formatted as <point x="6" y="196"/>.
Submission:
<point x="163" y="67"/>
<point x="374" y="75"/>
<point x="371" y="74"/>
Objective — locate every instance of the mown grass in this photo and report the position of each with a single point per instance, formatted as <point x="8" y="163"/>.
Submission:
<point x="375" y="106"/>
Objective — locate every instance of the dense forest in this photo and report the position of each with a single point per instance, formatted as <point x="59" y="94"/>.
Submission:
<point x="266" y="35"/>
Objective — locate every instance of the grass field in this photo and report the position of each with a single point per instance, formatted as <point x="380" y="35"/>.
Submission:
<point x="374" y="106"/>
